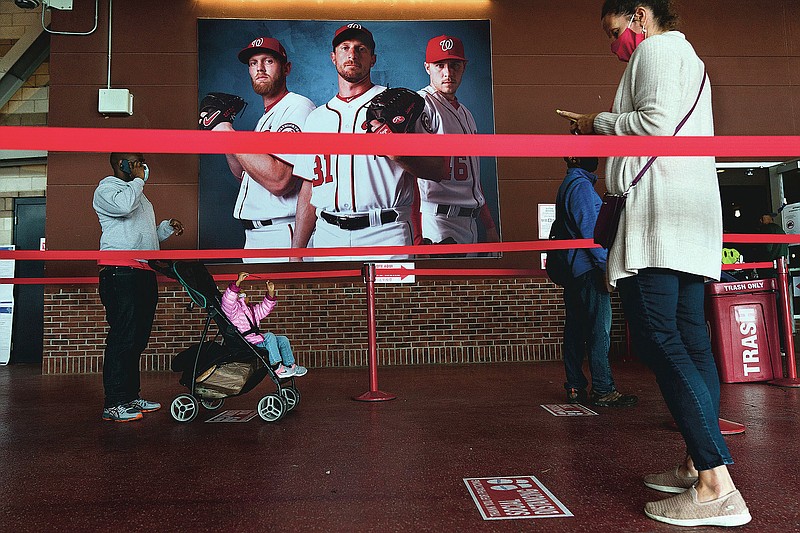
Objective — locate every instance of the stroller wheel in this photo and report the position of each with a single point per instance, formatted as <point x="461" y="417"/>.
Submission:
<point x="212" y="405"/>
<point x="291" y="396"/>
<point x="184" y="408"/>
<point x="272" y="408"/>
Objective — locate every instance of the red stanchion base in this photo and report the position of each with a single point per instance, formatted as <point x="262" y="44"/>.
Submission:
<point x="374" y="396"/>
<point x="785" y="382"/>
<point x="726" y="427"/>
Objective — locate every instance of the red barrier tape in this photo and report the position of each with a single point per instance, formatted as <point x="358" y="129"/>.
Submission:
<point x="529" y="246"/>
<point x="748" y="266"/>
<point x="359" y="251"/>
<point x="94" y="255"/>
<point x="501" y="145"/>
<point x="328" y="274"/>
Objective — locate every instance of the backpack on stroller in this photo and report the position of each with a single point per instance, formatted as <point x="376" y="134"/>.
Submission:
<point x="213" y="371"/>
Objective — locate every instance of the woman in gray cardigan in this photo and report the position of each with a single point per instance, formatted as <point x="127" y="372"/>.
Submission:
<point x="657" y="262"/>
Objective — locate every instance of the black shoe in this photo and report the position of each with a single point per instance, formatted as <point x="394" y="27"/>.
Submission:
<point x="613" y="399"/>
<point x="576" y="396"/>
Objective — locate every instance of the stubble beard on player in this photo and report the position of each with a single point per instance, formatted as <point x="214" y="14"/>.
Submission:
<point x="355" y="78"/>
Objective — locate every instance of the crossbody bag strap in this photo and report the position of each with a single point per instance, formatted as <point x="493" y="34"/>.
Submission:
<point x="677" y="129"/>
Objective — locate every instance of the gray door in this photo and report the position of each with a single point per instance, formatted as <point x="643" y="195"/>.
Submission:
<point x="28" y="329"/>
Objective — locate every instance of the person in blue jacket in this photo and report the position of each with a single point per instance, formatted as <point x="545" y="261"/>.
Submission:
<point x="587" y="327"/>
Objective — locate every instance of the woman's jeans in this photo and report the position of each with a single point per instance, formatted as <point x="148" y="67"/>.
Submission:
<point x="587" y="332"/>
<point x="279" y="349"/>
<point x="664" y="309"/>
<point x="130" y="296"/>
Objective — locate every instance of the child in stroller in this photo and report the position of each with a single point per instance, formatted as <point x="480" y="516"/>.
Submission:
<point x="214" y="371"/>
<point x="246" y="318"/>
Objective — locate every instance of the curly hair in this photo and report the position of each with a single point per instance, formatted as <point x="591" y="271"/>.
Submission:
<point x="663" y="10"/>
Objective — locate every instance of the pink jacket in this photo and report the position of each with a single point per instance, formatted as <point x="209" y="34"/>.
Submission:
<point x="244" y="316"/>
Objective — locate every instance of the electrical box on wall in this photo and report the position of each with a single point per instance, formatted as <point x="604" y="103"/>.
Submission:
<point x="115" y="101"/>
<point x="65" y="5"/>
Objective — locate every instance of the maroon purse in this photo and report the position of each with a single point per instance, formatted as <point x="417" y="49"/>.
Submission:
<point x="605" y="229"/>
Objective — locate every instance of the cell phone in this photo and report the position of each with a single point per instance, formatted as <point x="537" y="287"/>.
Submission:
<point x="125" y="166"/>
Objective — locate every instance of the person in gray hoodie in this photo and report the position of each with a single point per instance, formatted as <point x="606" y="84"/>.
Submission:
<point x="128" y="287"/>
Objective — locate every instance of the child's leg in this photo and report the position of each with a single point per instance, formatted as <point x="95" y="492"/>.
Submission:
<point x="285" y="350"/>
<point x="271" y="345"/>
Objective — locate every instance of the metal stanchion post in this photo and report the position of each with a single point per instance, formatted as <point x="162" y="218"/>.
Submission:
<point x="373" y="394"/>
<point x="787" y="318"/>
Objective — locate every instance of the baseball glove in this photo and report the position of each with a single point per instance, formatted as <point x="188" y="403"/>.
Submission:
<point x="397" y="110"/>
<point x="219" y="107"/>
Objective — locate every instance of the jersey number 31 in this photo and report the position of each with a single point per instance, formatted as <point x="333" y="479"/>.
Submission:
<point x="322" y="175"/>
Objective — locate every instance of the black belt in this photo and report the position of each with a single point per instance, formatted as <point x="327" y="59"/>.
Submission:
<point x="354" y="222"/>
<point x="109" y="268"/>
<point x="462" y="211"/>
<point x="114" y="267"/>
<point x="249" y="224"/>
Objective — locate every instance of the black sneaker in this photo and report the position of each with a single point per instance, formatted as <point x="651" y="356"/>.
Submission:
<point x="613" y="399"/>
<point x="576" y="396"/>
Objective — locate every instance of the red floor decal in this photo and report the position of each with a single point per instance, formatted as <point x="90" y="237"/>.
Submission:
<point x="233" y="415"/>
<point x="568" y="409"/>
<point x="511" y="498"/>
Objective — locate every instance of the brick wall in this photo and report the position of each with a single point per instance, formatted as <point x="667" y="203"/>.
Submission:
<point x="430" y="322"/>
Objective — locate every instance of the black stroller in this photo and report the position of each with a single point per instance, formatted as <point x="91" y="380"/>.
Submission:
<point x="213" y="371"/>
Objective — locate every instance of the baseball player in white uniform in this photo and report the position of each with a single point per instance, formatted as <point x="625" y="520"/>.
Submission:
<point x="267" y="200"/>
<point x="356" y="200"/>
<point x="450" y="208"/>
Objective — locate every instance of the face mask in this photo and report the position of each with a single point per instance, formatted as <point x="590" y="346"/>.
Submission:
<point x="626" y="43"/>
<point x="146" y="171"/>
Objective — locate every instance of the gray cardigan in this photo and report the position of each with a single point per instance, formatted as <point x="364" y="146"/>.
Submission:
<point x="673" y="217"/>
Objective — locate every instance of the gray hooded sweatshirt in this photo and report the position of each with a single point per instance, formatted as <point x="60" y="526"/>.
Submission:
<point x="127" y="218"/>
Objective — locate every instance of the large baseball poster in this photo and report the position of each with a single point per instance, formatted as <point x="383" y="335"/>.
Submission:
<point x="400" y="49"/>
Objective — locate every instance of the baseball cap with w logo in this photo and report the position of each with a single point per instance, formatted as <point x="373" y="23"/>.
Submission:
<point x="261" y="45"/>
<point x="354" y="30"/>
<point x="444" y="47"/>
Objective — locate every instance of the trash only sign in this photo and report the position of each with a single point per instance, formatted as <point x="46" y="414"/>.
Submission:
<point x="514" y="497"/>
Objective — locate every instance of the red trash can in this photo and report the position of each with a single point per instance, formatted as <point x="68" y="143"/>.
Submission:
<point x="742" y="319"/>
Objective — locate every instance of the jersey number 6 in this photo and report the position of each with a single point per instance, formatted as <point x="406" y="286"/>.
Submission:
<point x="459" y="170"/>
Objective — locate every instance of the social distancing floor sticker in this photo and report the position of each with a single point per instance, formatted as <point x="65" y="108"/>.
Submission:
<point x="513" y="498"/>
<point x="233" y="415"/>
<point x="568" y="409"/>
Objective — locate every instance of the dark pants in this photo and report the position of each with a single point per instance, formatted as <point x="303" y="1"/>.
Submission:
<point x="129" y="296"/>
<point x="667" y="322"/>
<point x="587" y="332"/>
